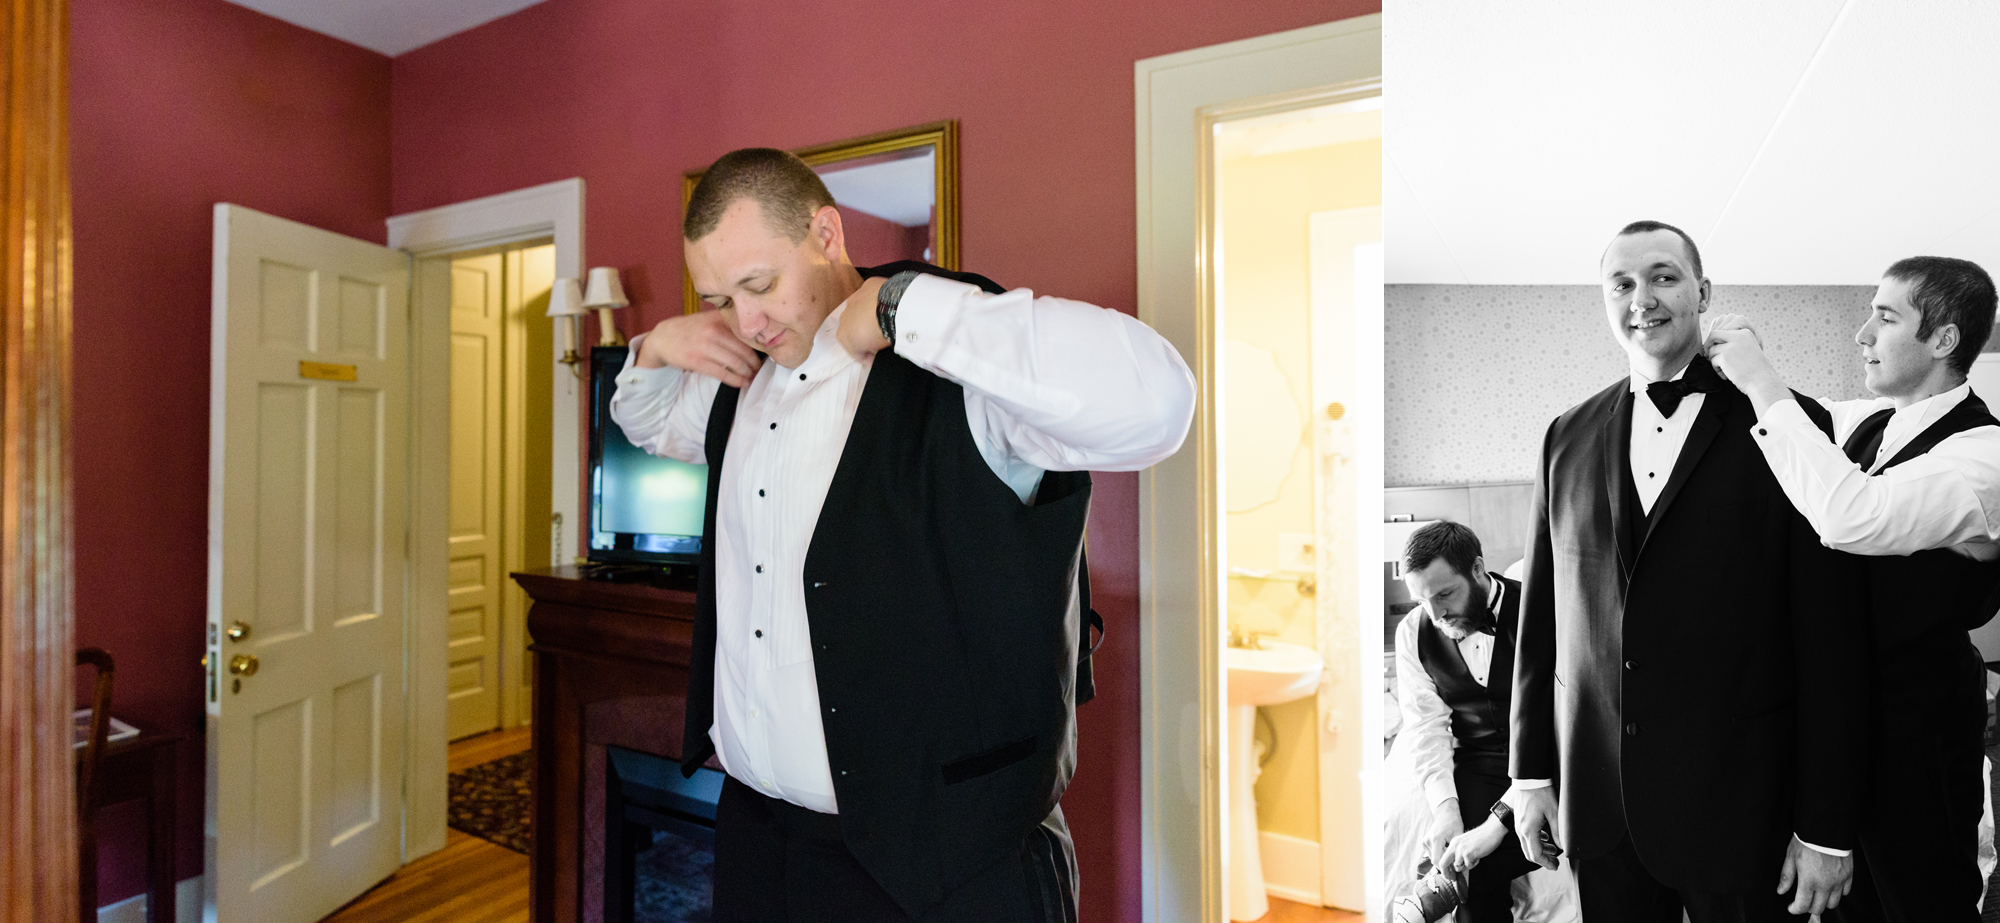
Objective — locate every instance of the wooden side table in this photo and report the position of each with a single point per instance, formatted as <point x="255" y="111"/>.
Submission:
<point x="143" y="767"/>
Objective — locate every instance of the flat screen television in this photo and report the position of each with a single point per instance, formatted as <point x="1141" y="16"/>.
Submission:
<point x="644" y="510"/>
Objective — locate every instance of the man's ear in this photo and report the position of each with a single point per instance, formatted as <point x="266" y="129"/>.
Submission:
<point x="1478" y="567"/>
<point x="1944" y="341"/>
<point x="827" y="234"/>
<point x="1706" y="290"/>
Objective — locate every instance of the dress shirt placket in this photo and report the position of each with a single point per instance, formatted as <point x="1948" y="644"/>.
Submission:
<point x="1657" y="440"/>
<point x="764" y="524"/>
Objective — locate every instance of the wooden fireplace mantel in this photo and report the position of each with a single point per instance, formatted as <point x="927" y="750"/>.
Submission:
<point x="611" y="664"/>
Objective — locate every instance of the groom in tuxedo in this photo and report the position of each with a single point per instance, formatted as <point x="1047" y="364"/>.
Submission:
<point x="1688" y="697"/>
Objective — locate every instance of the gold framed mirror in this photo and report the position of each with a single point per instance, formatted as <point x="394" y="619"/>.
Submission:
<point x="897" y="192"/>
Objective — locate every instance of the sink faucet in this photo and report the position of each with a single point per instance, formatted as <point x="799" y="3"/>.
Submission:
<point x="1252" y="640"/>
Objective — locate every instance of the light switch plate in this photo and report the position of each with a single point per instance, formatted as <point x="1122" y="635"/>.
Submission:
<point x="1295" y="552"/>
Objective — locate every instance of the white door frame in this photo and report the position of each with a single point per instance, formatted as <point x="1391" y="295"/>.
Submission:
<point x="1180" y="574"/>
<point x="432" y="236"/>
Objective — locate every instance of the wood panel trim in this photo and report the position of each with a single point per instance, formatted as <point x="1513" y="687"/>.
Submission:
<point x="38" y="871"/>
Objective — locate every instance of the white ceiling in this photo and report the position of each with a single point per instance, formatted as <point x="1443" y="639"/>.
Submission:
<point x="893" y="190"/>
<point x="1798" y="141"/>
<point x="388" y="26"/>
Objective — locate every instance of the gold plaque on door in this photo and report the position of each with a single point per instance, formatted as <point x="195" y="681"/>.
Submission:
<point x="326" y="371"/>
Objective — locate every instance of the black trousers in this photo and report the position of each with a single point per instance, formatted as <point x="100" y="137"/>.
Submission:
<point x="1919" y="855"/>
<point x="1616" y="888"/>
<point x="1480" y="783"/>
<point x="776" y="862"/>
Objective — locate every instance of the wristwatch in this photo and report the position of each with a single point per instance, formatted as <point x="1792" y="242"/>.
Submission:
<point x="1505" y="814"/>
<point x="886" y="299"/>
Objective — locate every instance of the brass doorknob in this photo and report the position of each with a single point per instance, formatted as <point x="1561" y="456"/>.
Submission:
<point x="238" y="631"/>
<point x="243" y="665"/>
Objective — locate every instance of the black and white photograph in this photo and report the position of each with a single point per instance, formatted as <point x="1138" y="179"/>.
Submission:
<point x="1690" y="478"/>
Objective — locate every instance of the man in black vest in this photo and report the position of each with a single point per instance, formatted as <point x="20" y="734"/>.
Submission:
<point x="886" y="645"/>
<point x="1912" y="480"/>
<point x="1687" y="684"/>
<point x="1454" y="678"/>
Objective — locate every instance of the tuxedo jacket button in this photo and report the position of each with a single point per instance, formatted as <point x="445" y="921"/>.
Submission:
<point x="1632" y="730"/>
<point x="1631" y="664"/>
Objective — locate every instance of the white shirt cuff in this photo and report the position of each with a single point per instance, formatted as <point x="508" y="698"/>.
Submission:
<point x="1525" y="784"/>
<point x="1441" y="789"/>
<point x="639" y="378"/>
<point x="925" y="316"/>
<point x="1822" y="849"/>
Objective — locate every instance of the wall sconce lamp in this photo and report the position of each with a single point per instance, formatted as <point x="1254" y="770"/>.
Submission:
<point x="605" y="295"/>
<point x="565" y="306"/>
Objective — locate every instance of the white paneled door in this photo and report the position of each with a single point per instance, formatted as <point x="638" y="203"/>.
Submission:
<point x="309" y="387"/>
<point x="478" y="568"/>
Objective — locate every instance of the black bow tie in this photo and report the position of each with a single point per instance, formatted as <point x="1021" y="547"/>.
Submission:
<point x="1700" y="379"/>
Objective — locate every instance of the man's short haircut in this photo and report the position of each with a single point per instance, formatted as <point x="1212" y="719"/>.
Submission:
<point x="1647" y="227"/>
<point x="788" y="190"/>
<point x="1949" y="291"/>
<point x="1455" y="543"/>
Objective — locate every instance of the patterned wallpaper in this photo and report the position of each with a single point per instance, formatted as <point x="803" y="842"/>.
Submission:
<point x="1476" y="372"/>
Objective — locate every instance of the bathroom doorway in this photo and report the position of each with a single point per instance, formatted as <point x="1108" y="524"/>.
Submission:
<point x="1184" y="584"/>
<point x="1296" y="205"/>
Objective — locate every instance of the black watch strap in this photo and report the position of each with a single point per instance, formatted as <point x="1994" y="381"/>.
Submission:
<point x="886" y="299"/>
<point x="1505" y="814"/>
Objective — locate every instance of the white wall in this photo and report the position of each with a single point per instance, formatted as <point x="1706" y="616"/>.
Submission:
<point x="1474" y="373"/>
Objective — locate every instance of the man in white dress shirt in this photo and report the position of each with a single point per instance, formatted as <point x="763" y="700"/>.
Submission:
<point x="893" y="547"/>
<point x="1454" y="679"/>
<point x="1911" y="479"/>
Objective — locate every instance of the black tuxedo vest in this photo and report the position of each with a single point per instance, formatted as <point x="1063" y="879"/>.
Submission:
<point x="1478" y="713"/>
<point x="1939" y="594"/>
<point x="945" y="618"/>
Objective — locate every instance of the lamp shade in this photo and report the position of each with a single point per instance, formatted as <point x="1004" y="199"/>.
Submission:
<point x="604" y="290"/>
<point x="566" y="299"/>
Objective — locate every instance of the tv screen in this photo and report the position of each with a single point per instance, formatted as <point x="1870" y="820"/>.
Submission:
<point x="643" y="509"/>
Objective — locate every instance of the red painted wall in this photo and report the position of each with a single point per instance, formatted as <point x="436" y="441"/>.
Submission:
<point x="872" y="241"/>
<point x="176" y="105"/>
<point x="629" y="94"/>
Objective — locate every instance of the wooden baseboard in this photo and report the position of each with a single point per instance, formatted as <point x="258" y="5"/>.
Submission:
<point x="1291" y="867"/>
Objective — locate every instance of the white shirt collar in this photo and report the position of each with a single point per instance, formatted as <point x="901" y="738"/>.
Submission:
<point x="1640" y="381"/>
<point x="827" y="356"/>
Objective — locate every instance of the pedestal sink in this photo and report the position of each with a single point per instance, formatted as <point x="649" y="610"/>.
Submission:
<point x="1271" y="675"/>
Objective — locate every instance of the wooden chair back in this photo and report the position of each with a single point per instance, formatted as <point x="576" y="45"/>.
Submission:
<point x="86" y="780"/>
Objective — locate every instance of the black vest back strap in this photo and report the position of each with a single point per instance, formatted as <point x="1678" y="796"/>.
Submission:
<point x="1866" y="441"/>
<point x="1970" y="413"/>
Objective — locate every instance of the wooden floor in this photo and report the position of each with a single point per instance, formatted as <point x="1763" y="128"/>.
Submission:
<point x="473" y="881"/>
<point x="468" y="881"/>
<point x="1284" y="911"/>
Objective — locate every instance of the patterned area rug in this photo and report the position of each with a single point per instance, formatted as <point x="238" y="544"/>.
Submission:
<point x="492" y="801"/>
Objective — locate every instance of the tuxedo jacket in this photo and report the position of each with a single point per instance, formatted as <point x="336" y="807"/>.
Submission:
<point x="1693" y="678"/>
